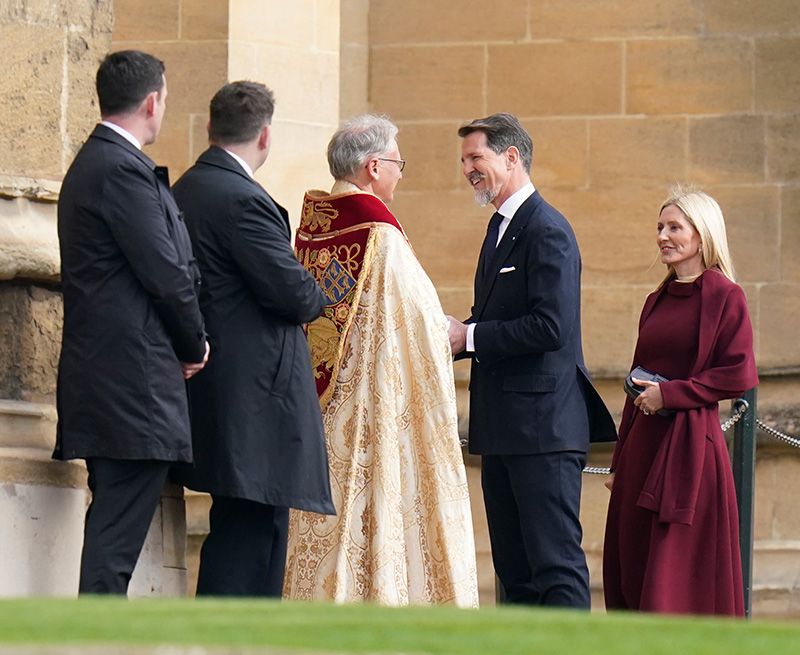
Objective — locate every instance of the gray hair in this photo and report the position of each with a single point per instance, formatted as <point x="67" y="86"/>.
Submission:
<point x="358" y="139"/>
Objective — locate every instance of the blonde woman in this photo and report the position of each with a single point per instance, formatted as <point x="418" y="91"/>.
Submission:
<point x="671" y="540"/>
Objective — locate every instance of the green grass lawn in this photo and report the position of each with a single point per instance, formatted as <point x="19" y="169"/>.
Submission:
<point x="367" y="629"/>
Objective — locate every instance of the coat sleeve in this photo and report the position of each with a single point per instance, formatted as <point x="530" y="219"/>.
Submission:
<point x="269" y="267"/>
<point x="731" y="370"/>
<point x="553" y="288"/>
<point x="136" y="218"/>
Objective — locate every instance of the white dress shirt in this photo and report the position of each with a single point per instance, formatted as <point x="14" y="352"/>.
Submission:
<point x="507" y="211"/>
<point x="123" y="133"/>
<point x="241" y="162"/>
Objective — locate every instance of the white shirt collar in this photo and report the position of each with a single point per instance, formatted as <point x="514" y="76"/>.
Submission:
<point x="241" y="162"/>
<point x="123" y="133"/>
<point x="513" y="202"/>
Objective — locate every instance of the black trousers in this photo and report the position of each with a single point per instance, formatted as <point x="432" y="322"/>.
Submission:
<point x="532" y="506"/>
<point x="125" y="495"/>
<point x="244" y="553"/>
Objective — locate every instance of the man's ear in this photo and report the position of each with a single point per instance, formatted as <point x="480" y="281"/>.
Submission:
<point x="263" y="138"/>
<point x="513" y="156"/>
<point x="150" y="103"/>
<point x="372" y="168"/>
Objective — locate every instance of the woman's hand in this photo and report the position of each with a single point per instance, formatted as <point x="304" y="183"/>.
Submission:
<point x="610" y="482"/>
<point x="650" y="400"/>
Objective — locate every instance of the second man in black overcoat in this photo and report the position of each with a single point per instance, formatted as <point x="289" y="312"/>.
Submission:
<point x="257" y="430"/>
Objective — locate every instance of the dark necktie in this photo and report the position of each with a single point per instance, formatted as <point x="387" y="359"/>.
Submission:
<point x="490" y="244"/>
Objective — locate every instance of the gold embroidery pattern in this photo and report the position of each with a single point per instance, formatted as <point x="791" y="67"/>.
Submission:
<point x="403" y="530"/>
<point x="317" y="216"/>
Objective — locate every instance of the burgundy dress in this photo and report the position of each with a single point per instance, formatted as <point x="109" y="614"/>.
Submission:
<point x="672" y="541"/>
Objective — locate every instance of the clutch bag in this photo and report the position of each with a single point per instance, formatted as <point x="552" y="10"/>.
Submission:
<point x="633" y="390"/>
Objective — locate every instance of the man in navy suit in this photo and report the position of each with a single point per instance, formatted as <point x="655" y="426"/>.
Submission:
<point x="132" y="324"/>
<point x="532" y="406"/>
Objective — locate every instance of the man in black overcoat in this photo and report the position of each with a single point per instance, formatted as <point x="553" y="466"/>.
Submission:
<point x="132" y="324"/>
<point x="256" y="423"/>
<point x="532" y="406"/>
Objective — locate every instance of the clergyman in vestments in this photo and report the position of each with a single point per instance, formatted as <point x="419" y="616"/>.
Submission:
<point x="402" y="533"/>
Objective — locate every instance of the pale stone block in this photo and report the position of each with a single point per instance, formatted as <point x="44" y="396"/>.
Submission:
<point x="306" y="83"/>
<point x="274" y="22"/>
<point x="609" y="320"/>
<point x="354" y="22"/>
<point x="28" y="240"/>
<point x="422" y="21"/>
<point x="27" y="425"/>
<point x="790" y="234"/>
<point x="161" y="568"/>
<point x="243" y="61"/>
<point x="431" y="82"/>
<point x="173" y="516"/>
<point x="96" y="15"/>
<point x="83" y="111"/>
<point x="616" y="230"/>
<point x="594" y="508"/>
<point x="30" y="326"/>
<point x="637" y="151"/>
<point x="297" y="162"/>
<point x="432" y="153"/>
<point x="353" y="80"/>
<point x="779" y="347"/>
<point x="580" y="77"/>
<point x="172" y="147"/>
<point x="483" y="550"/>
<point x="727" y="149"/>
<point x="146" y="20"/>
<point x="194" y="70"/>
<point x="201" y="20"/>
<point x="42" y="537"/>
<point x="326" y="23"/>
<point x="31" y="85"/>
<point x="783" y="148"/>
<point x="611" y="18"/>
<point x="33" y="12"/>
<point x="447" y="247"/>
<point x="748" y="17"/>
<point x="786" y="522"/>
<point x="457" y="301"/>
<point x="777" y="564"/>
<point x="752" y="221"/>
<point x="198" y="136"/>
<point x="560" y="150"/>
<point x="694" y="76"/>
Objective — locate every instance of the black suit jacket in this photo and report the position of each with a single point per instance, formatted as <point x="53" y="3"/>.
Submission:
<point x="529" y="389"/>
<point x="131" y="313"/>
<point x="256" y="420"/>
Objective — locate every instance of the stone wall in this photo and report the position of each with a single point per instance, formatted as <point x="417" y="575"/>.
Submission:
<point x="622" y="99"/>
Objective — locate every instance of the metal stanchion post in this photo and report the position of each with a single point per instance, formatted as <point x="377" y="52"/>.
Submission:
<point x="744" y="469"/>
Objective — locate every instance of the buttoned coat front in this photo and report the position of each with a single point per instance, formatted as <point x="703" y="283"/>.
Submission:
<point x="131" y="313"/>
<point x="256" y="421"/>
<point x="529" y="389"/>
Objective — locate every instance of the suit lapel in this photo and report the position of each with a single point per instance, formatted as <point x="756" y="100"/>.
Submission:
<point x="512" y="236"/>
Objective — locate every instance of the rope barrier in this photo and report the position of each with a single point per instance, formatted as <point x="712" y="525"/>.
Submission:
<point x="741" y="407"/>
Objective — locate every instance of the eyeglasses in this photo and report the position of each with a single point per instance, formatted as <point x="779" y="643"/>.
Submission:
<point x="400" y="162"/>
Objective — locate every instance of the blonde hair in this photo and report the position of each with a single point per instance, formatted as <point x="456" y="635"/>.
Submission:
<point x="705" y="215"/>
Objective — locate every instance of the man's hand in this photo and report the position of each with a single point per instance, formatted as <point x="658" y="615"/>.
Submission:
<point x="457" y="333"/>
<point x="189" y="369"/>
